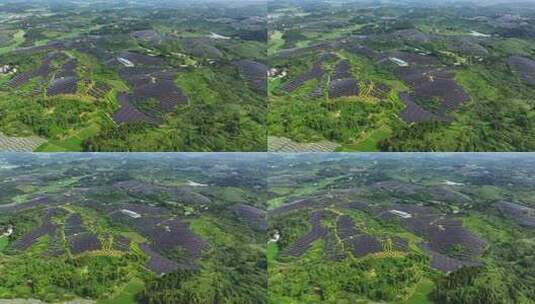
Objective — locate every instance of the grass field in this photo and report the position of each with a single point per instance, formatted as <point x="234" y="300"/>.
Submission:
<point x="72" y="143"/>
<point x="272" y="252"/>
<point x="420" y="295"/>
<point x="370" y="143"/>
<point x="274" y="84"/>
<point x="18" y="39"/>
<point x="3" y="243"/>
<point x="275" y="202"/>
<point x="275" y="42"/>
<point x="128" y="294"/>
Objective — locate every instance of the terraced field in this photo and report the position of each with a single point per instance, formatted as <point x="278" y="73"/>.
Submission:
<point x="128" y="228"/>
<point x="339" y="73"/>
<point x="410" y="228"/>
<point x="86" y="79"/>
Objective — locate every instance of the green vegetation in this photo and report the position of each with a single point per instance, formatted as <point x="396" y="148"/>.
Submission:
<point x="184" y="86"/>
<point x="18" y="39"/>
<point x="312" y="280"/>
<point x="79" y="228"/>
<point x="462" y="90"/>
<point x="217" y="280"/>
<point x="468" y="236"/>
<point x="128" y="294"/>
<point x="343" y="120"/>
<point x="202" y="125"/>
<point x="58" y="279"/>
<point x="422" y="292"/>
<point x="275" y="42"/>
<point x="271" y="252"/>
<point x="3" y="243"/>
<point x="359" y="122"/>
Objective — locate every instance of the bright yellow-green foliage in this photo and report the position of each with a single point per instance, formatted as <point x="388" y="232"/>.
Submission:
<point x="499" y="116"/>
<point x="474" y="81"/>
<point x="370" y="141"/>
<point x="18" y="39"/>
<point x="275" y="42"/>
<point x="271" y="252"/>
<point x="311" y="278"/>
<point x="359" y="123"/>
<point x="134" y="236"/>
<point x="275" y="202"/>
<point x="3" y="243"/>
<point x="128" y="293"/>
<point x="206" y="227"/>
<point x="421" y="293"/>
<point x="196" y="85"/>
<point x="487" y="227"/>
<point x="314" y="277"/>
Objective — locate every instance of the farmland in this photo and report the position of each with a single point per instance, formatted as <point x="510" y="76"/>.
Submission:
<point x="402" y="75"/>
<point x="132" y="228"/>
<point x="133" y="76"/>
<point x="401" y="228"/>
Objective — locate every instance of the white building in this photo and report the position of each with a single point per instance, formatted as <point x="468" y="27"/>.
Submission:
<point x="130" y="213"/>
<point x="7" y="69"/>
<point x="399" y="62"/>
<point x="276" y="73"/>
<point x="127" y="63"/>
<point x="275" y="237"/>
<point x="8" y="231"/>
<point x="194" y="184"/>
<point x="401" y="214"/>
